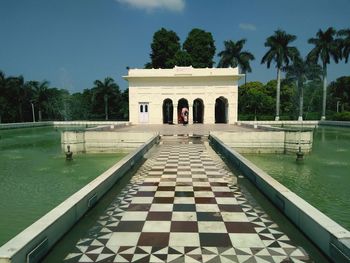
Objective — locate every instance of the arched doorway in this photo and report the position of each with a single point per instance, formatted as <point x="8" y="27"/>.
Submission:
<point x="198" y="111"/>
<point x="221" y="110"/>
<point x="182" y="103"/>
<point x="168" y="111"/>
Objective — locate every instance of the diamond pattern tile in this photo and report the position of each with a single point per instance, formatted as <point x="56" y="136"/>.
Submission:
<point x="183" y="205"/>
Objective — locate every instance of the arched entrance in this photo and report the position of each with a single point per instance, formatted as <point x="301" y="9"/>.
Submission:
<point x="198" y="111"/>
<point x="182" y="103"/>
<point x="168" y="111"/>
<point x="221" y="110"/>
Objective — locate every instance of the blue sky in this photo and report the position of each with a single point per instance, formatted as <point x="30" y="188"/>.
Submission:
<point x="71" y="43"/>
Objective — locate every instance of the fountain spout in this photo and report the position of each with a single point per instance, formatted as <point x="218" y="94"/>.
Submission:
<point x="69" y="154"/>
<point x="300" y="155"/>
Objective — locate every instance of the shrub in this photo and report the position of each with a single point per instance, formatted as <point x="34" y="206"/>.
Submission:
<point x="342" y="116"/>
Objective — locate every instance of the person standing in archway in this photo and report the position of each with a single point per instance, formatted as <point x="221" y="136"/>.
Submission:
<point x="184" y="115"/>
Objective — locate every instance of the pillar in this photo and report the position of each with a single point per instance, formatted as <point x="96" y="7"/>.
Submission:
<point x="190" y="114"/>
<point x="209" y="113"/>
<point x="175" y="113"/>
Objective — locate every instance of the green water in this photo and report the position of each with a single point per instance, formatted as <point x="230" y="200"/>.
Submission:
<point x="323" y="179"/>
<point x="35" y="177"/>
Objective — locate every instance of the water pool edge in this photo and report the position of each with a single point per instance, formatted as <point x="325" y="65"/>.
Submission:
<point x="331" y="238"/>
<point x="36" y="240"/>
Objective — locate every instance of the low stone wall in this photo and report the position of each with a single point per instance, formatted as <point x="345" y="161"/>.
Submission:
<point x="90" y="123"/>
<point x="35" y="241"/>
<point x="291" y="123"/>
<point x="91" y="141"/>
<point x="62" y="123"/>
<point x="267" y="141"/>
<point x="335" y="123"/>
<point x="4" y="126"/>
<point x="330" y="237"/>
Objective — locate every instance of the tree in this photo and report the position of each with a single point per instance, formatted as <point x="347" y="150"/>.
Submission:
<point x="201" y="48"/>
<point x="164" y="47"/>
<point x="105" y="89"/>
<point x="40" y="95"/>
<point x="281" y="53"/>
<point x="300" y="72"/>
<point x="233" y="56"/>
<point x="124" y="108"/>
<point x="313" y="99"/>
<point x="19" y="90"/>
<point x="181" y="58"/>
<point x="345" y="43"/>
<point x="57" y="107"/>
<point x="3" y="97"/>
<point x="287" y="95"/>
<point x="326" y="46"/>
<point x="340" y="93"/>
<point x="80" y="106"/>
<point x="254" y="98"/>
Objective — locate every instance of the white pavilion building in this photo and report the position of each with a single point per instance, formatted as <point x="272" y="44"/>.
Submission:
<point x="157" y="96"/>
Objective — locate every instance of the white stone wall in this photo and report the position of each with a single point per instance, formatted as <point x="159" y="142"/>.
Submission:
<point x="103" y="141"/>
<point x="267" y="141"/>
<point x="153" y="86"/>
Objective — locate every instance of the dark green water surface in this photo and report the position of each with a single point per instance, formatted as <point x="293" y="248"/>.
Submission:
<point x="323" y="179"/>
<point x="35" y="177"/>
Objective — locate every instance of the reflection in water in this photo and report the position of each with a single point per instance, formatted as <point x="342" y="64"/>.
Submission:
<point x="323" y="178"/>
<point x="35" y="177"/>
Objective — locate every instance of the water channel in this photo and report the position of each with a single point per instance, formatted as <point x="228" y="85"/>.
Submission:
<point x="35" y="177"/>
<point x="323" y="178"/>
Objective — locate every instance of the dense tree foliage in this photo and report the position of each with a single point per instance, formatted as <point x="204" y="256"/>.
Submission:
<point x="282" y="54"/>
<point x="300" y="94"/>
<point x="326" y="46"/>
<point x="18" y="99"/>
<point x="233" y="56"/>
<point x="254" y="99"/>
<point x="300" y="72"/>
<point x="339" y="92"/>
<point x="165" y="45"/>
<point x="345" y="43"/>
<point x="198" y="49"/>
<point x="105" y="92"/>
<point x="201" y="48"/>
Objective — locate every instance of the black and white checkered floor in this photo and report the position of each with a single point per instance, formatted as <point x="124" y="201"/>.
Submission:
<point x="183" y="205"/>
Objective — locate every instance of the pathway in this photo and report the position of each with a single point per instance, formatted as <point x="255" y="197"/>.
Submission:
<point x="183" y="205"/>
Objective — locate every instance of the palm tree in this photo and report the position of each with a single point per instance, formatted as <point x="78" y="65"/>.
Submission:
<point x="302" y="71"/>
<point x="19" y="90"/>
<point x="40" y="95"/>
<point x="281" y="53"/>
<point x="233" y="56"/>
<point x="345" y="43"/>
<point x="3" y="99"/>
<point x="105" y="88"/>
<point x="326" y="46"/>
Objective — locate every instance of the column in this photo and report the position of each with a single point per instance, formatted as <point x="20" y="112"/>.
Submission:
<point x="175" y="113"/>
<point x="190" y="114"/>
<point x="209" y="113"/>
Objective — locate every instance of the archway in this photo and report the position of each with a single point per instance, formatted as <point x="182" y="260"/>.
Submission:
<point x="182" y="103"/>
<point x="168" y="111"/>
<point x="198" y="111"/>
<point x="221" y="110"/>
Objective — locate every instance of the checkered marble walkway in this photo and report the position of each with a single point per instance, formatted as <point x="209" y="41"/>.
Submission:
<point x="183" y="205"/>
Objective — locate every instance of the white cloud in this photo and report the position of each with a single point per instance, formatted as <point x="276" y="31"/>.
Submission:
<point x="150" y="5"/>
<point x="246" y="26"/>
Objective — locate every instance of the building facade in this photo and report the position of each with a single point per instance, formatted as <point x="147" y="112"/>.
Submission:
<point x="158" y="96"/>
